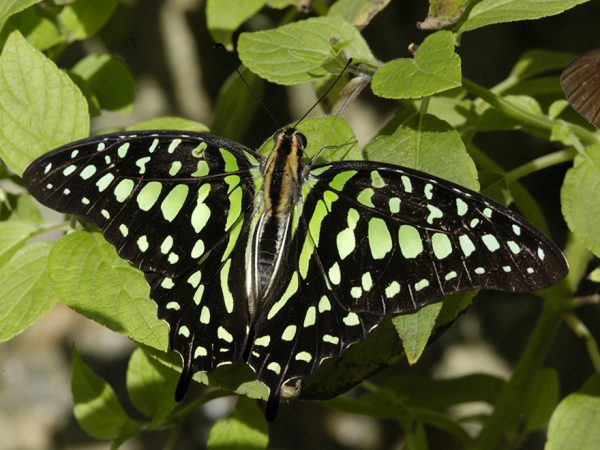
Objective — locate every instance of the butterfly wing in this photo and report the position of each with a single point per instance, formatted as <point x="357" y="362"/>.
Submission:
<point x="581" y="84"/>
<point x="376" y="239"/>
<point x="176" y="206"/>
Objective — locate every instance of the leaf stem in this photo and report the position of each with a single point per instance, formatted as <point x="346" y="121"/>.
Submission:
<point x="539" y="122"/>
<point x="543" y="162"/>
<point x="199" y="402"/>
<point x="583" y="332"/>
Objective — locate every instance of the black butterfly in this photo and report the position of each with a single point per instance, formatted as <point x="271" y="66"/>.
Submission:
<point x="279" y="262"/>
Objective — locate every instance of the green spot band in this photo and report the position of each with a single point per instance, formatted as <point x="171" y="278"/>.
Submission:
<point x="339" y="181"/>
<point x="380" y="240"/>
<point x="442" y="246"/>
<point x="173" y="202"/>
<point x="123" y="189"/>
<point x="410" y="241"/>
<point x="289" y="291"/>
<point x="227" y="295"/>
<point x="366" y="197"/>
<point x="231" y="164"/>
<point x="148" y="195"/>
<point x="201" y="212"/>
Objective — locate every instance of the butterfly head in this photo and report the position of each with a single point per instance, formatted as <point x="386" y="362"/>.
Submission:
<point x="290" y="138"/>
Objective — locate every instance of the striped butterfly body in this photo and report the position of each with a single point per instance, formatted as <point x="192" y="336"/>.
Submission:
<point x="279" y="262"/>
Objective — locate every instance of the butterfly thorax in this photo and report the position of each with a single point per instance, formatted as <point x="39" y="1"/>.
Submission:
<point x="269" y="243"/>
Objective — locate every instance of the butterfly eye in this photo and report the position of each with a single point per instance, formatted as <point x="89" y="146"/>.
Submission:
<point x="581" y="84"/>
<point x="301" y="140"/>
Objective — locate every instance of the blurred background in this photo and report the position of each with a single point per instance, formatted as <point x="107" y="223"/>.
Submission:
<point x="166" y="46"/>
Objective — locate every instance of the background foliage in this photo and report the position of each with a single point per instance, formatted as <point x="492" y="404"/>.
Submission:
<point x="64" y="63"/>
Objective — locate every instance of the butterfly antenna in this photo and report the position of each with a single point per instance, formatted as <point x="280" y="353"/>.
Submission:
<point x="324" y="94"/>
<point x="252" y="91"/>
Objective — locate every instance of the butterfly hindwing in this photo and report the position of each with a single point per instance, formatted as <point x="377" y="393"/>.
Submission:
<point x="376" y="239"/>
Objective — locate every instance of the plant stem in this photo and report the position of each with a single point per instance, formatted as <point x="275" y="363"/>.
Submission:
<point x="199" y="402"/>
<point x="543" y="162"/>
<point x="583" y="332"/>
<point x="540" y="122"/>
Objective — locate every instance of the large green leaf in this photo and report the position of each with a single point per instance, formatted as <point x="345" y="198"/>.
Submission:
<point x="13" y="236"/>
<point x="38" y="29"/>
<point x="40" y="107"/>
<point x="579" y="198"/>
<point x="25" y="293"/>
<point x="489" y="12"/>
<point x="295" y="53"/>
<point x="89" y="277"/>
<point x="429" y="144"/>
<point x="415" y="329"/>
<point x="434" y="68"/>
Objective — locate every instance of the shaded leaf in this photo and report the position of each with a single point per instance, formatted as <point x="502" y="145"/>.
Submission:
<point x="358" y="12"/>
<point x="84" y="18"/>
<point x="224" y="17"/>
<point x="96" y="406"/>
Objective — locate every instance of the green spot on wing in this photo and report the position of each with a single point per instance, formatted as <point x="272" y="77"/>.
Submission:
<point x="174" y="201"/>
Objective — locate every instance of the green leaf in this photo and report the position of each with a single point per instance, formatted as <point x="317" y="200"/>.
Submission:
<point x="26" y="210"/>
<point x="536" y="62"/>
<point x="297" y="51"/>
<point x="40" y="107"/>
<point x="151" y="386"/>
<point x="579" y="198"/>
<point x="415" y="329"/>
<point x="574" y="424"/>
<point x="434" y="68"/>
<point x="84" y="18"/>
<point x="245" y="429"/>
<point x="13" y="236"/>
<point x="89" y="277"/>
<point x="39" y="31"/>
<point x="428" y="144"/>
<point x="25" y="293"/>
<point x="358" y="12"/>
<point x="10" y="7"/>
<point x="541" y="399"/>
<point x="110" y="81"/>
<point x="236" y="104"/>
<point x="331" y="138"/>
<point x="594" y="275"/>
<point x="489" y="12"/>
<point x="170" y="123"/>
<point x="96" y="406"/>
<point x="224" y="17"/>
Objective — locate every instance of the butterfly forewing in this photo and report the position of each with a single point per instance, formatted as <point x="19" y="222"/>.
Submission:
<point x="376" y="239"/>
<point x="581" y="83"/>
<point x="178" y="207"/>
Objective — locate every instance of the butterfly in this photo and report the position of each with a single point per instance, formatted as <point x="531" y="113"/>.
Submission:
<point x="580" y="82"/>
<point x="279" y="261"/>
